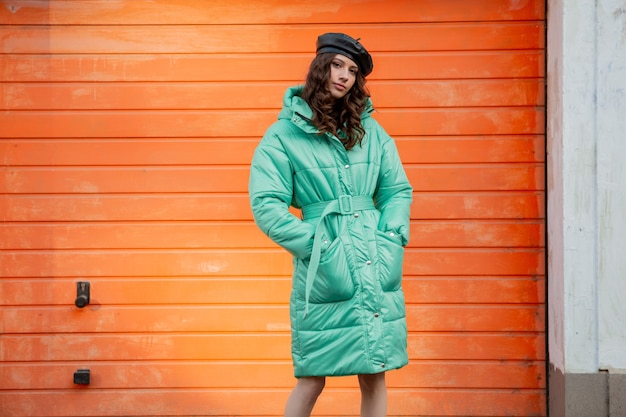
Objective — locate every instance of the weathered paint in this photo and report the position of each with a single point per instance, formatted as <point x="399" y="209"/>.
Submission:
<point x="611" y="182"/>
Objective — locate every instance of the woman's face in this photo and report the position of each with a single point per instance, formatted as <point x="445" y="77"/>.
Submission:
<point x="343" y="72"/>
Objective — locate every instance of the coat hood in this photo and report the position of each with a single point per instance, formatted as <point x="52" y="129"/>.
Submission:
<point x="294" y="105"/>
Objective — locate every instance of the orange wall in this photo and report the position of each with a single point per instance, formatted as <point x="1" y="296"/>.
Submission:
<point x="126" y="132"/>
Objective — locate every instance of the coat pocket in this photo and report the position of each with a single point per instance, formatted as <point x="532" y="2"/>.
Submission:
<point x="390" y="258"/>
<point x="333" y="282"/>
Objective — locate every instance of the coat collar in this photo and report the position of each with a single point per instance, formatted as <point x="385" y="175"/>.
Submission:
<point x="298" y="110"/>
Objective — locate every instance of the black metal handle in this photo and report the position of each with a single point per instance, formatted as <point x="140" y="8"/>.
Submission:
<point x="82" y="294"/>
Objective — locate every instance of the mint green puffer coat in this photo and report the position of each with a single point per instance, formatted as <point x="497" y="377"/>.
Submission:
<point x="347" y="305"/>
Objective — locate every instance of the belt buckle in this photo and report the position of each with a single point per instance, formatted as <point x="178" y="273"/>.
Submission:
<point x="345" y="204"/>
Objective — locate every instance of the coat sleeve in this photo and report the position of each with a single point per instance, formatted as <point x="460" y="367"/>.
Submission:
<point x="394" y="193"/>
<point x="270" y="189"/>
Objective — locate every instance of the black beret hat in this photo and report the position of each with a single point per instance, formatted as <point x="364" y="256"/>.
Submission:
<point x="343" y="44"/>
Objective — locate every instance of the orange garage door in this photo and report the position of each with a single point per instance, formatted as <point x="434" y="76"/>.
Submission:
<point x="127" y="128"/>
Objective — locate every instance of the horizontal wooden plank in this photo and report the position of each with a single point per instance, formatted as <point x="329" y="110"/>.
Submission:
<point x="220" y="96"/>
<point x="470" y="149"/>
<point x="237" y="375"/>
<point x="483" y="177"/>
<point x="98" y="180"/>
<point x="105" y="152"/>
<point x="259" y="290"/>
<point x="222" y="262"/>
<point x="200" y="346"/>
<point x="231" y="235"/>
<point x="177" y="12"/>
<point x="145" y="263"/>
<point x="471" y="121"/>
<point x="133" y="235"/>
<point x="474" y="262"/>
<point x="225" y="207"/>
<point x="210" y="179"/>
<point x="193" y="39"/>
<point x="127" y="290"/>
<point x="222" y="402"/>
<point x="475" y="318"/>
<point x="102" y="318"/>
<point x="458" y="93"/>
<point x="222" y="207"/>
<point x="236" y="151"/>
<point x="433" y="234"/>
<point x="154" y="124"/>
<point x="471" y="290"/>
<point x="478" y="205"/>
<point x="141" y="96"/>
<point x="135" y="124"/>
<point x="267" y="67"/>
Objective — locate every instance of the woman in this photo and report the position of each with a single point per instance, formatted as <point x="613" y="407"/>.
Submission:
<point x="327" y="156"/>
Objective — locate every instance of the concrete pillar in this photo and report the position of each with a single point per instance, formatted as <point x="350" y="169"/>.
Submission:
<point x="586" y="149"/>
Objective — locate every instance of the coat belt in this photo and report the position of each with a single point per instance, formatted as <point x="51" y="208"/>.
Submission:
<point x="344" y="205"/>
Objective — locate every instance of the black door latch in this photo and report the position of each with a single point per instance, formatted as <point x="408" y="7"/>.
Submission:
<point x="82" y="294"/>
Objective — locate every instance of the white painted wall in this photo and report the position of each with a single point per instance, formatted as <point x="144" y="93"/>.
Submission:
<point x="587" y="185"/>
<point x="611" y="183"/>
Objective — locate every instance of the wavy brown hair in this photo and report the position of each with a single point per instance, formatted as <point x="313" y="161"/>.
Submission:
<point x="330" y="114"/>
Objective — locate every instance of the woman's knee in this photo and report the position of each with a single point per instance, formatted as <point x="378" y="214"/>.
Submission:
<point x="312" y="386"/>
<point x="372" y="383"/>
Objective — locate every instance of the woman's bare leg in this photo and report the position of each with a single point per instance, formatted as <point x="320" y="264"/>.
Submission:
<point x="373" y="395"/>
<point x="304" y="396"/>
